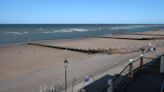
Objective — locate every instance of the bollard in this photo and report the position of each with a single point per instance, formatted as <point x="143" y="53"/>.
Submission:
<point x="41" y="89"/>
<point x="130" y="69"/>
<point x="162" y="64"/>
<point x="73" y="83"/>
<point x="44" y="89"/>
<point x="141" y="61"/>
<point x="110" y="88"/>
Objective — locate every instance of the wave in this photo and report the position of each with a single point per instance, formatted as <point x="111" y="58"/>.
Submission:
<point x="96" y="29"/>
<point x="126" y="27"/>
<point x="16" y="33"/>
<point x="132" y="27"/>
<point x="67" y="30"/>
<point x="40" y="29"/>
<point x="157" y="25"/>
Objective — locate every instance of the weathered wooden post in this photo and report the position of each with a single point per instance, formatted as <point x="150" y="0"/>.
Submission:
<point x="162" y="64"/>
<point x="130" y="69"/>
<point x="110" y="88"/>
<point x="141" y="61"/>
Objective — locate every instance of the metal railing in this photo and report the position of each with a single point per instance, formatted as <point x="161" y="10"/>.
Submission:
<point x="79" y="79"/>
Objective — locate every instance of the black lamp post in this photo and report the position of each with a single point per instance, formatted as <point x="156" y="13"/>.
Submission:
<point x="65" y="66"/>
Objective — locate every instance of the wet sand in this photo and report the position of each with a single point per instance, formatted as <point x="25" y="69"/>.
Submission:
<point x="157" y="32"/>
<point x="96" y="43"/>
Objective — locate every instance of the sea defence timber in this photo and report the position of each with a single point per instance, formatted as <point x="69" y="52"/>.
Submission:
<point x="151" y="38"/>
<point x="88" y="51"/>
<point x="146" y="34"/>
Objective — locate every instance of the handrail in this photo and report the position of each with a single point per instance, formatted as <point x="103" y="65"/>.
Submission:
<point x="120" y="73"/>
<point x="104" y="90"/>
<point x="125" y="77"/>
<point x="134" y="60"/>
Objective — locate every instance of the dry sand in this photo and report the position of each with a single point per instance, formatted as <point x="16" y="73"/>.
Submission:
<point x="26" y="67"/>
<point x="16" y="61"/>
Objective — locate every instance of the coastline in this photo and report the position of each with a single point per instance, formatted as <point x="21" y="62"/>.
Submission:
<point x="26" y="66"/>
<point x="63" y="40"/>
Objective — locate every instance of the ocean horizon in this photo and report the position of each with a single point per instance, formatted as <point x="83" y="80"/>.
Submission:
<point x="21" y="33"/>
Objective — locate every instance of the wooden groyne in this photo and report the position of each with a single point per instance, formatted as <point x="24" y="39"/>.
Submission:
<point x="126" y="38"/>
<point x="89" y="51"/>
<point x="146" y="34"/>
<point x="108" y="51"/>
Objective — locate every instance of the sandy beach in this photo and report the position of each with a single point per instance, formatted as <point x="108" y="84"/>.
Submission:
<point x="27" y="67"/>
<point x="25" y="59"/>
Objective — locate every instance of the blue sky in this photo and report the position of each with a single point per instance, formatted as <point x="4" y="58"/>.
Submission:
<point x="81" y="11"/>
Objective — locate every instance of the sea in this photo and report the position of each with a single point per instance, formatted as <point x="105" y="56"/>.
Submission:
<point x="22" y="33"/>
